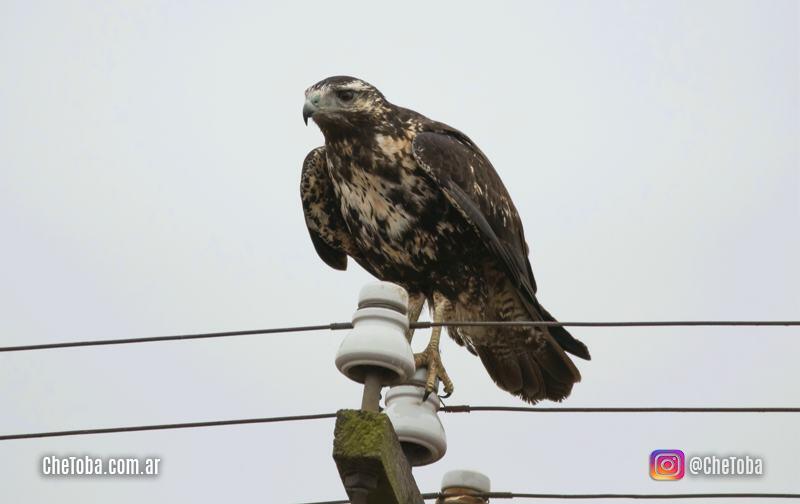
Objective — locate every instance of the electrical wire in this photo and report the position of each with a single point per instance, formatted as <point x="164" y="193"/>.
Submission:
<point x="517" y="495"/>
<point x="447" y="409"/>
<point x="657" y="323"/>
<point x="180" y="337"/>
<point x="337" y="326"/>
<point x="187" y="425"/>
<point x="464" y="408"/>
<point x="512" y="495"/>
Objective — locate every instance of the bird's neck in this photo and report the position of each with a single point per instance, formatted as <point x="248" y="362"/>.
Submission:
<point x="357" y="127"/>
<point x="351" y="131"/>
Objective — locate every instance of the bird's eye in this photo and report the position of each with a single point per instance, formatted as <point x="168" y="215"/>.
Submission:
<point x="345" y="95"/>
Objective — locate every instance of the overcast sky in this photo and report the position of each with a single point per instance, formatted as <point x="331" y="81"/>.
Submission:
<point x="150" y="159"/>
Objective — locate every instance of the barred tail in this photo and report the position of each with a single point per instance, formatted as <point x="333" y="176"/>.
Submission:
<point x="530" y="364"/>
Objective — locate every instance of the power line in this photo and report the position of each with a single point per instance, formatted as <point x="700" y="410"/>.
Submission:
<point x="523" y="409"/>
<point x="661" y="323"/>
<point x="515" y="495"/>
<point x="187" y="425"/>
<point x="510" y="495"/>
<point x="337" y="326"/>
<point x="180" y="337"/>
<point x="447" y="409"/>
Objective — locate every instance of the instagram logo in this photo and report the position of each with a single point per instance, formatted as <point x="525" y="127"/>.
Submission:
<point x="667" y="465"/>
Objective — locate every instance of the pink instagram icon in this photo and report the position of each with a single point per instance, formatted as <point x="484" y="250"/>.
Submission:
<point x="667" y="465"/>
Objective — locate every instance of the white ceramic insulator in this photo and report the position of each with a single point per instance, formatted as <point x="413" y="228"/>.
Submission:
<point x="464" y="478"/>
<point x="416" y="422"/>
<point x="378" y="343"/>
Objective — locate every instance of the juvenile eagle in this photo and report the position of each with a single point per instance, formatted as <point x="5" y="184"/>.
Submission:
<point x="416" y="202"/>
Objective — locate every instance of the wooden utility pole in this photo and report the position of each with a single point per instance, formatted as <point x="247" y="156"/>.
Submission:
<point x="370" y="460"/>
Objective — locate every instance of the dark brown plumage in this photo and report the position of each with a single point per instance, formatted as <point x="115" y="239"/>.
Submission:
<point x="417" y="203"/>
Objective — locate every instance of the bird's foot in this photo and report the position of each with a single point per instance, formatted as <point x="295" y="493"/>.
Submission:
<point x="432" y="361"/>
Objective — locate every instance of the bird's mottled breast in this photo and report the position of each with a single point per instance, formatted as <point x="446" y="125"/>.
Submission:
<point x="384" y="196"/>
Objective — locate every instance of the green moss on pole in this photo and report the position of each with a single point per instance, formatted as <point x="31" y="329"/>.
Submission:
<point x="368" y="455"/>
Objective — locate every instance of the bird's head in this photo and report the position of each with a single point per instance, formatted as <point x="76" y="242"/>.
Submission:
<point x="343" y="102"/>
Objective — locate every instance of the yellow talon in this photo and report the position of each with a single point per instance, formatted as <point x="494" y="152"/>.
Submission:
<point x="430" y="358"/>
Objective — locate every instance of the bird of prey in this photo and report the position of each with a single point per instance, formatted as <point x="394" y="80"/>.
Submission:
<point x="415" y="202"/>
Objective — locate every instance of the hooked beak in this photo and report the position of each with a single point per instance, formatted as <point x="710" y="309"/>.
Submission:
<point x="308" y="111"/>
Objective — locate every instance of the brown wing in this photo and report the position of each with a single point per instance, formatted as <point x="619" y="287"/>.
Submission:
<point x="471" y="183"/>
<point x="327" y="229"/>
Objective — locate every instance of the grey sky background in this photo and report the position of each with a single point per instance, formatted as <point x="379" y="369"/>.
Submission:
<point x="149" y="165"/>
